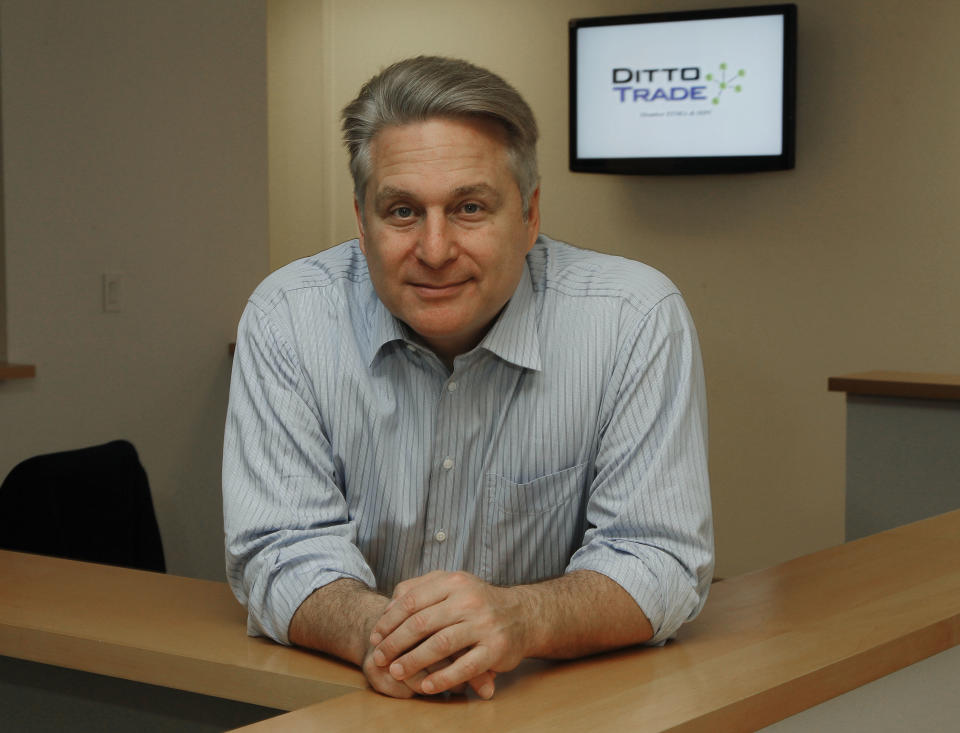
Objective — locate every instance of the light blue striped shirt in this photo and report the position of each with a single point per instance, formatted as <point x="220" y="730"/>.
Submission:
<point x="572" y="437"/>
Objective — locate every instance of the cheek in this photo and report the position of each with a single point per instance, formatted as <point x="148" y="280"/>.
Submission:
<point x="382" y="256"/>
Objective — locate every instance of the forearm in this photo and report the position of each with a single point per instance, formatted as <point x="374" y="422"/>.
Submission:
<point x="579" y="613"/>
<point x="337" y="619"/>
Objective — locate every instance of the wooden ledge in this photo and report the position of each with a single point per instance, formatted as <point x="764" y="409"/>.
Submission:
<point x="898" y="384"/>
<point x="768" y="645"/>
<point x="160" y="629"/>
<point x="17" y="371"/>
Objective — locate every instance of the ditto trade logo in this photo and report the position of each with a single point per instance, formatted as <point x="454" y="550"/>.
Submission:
<point x="724" y="82"/>
<point x="674" y="84"/>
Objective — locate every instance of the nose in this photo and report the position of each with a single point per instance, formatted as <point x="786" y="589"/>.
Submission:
<point x="436" y="246"/>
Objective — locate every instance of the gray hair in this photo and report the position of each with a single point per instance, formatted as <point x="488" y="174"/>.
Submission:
<point x="426" y="87"/>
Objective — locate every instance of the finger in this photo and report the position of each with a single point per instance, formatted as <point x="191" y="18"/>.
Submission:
<point x="415" y="598"/>
<point x="483" y="684"/>
<point x="383" y="683"/>
<point x="386" y="685"/>
<point x="414" y="682"/>
<point x="465" y="669"/>
<point x="447" y="641"/>
<point x="417" y="629"/>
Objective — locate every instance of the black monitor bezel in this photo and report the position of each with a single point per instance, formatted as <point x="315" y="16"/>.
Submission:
<point x="786" y="160"/>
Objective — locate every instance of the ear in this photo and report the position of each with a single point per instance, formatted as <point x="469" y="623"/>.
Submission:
<point x="356" y="210"/>
<point x="533" y="219"/>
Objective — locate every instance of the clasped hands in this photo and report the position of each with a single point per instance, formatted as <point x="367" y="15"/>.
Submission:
<point x="443" y="631"/>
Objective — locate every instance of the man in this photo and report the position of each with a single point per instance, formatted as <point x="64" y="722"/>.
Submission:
<point x="453" y="443"/>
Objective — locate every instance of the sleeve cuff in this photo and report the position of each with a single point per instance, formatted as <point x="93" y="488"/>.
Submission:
<point x="663" y="593"/>
<point x="290" y="585"/>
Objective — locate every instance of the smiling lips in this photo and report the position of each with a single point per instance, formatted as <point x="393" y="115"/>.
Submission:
<point x="440" y="290"/>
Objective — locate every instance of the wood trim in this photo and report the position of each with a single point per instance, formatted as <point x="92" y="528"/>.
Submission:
<point x="17" y="371"/>
<point x="915" y="385"/>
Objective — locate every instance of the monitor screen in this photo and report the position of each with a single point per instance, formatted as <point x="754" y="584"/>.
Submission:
<point x="709" y="91"/>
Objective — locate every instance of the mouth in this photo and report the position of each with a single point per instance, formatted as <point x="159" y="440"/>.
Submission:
<point x="432" y="291"/>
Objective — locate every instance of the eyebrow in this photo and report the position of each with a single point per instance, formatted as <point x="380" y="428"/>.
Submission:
<point x="477" y="189"/>
<point x="388" y="193"/>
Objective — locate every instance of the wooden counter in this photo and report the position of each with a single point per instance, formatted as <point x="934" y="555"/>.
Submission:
<point x="17" y="371"/>
<point x="160" y="629"/>
<point x="767" y="645"/>
<point x="915" y="385"/>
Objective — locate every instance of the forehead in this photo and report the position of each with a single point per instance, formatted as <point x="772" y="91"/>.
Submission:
<point x="439" y="153"/>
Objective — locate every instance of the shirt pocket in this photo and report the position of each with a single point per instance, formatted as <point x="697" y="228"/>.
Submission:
<point x="532" y="529"/>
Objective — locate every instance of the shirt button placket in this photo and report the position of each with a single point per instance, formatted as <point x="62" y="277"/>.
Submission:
<point x="444" y="478"/>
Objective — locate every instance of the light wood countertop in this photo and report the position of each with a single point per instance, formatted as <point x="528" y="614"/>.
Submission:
<point x="161" y="629"/>
<point x="768" y="644"/>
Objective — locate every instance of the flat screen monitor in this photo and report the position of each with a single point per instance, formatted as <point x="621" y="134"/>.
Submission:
<point x="708" y="91"/>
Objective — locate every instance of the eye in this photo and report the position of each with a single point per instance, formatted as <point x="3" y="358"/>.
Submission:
<point x="402" y="212"/>
<point x="471" y="208"/>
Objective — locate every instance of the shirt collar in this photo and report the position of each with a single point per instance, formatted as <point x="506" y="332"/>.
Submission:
<point x="514" y="336"/>
<point x="384" y="328"/>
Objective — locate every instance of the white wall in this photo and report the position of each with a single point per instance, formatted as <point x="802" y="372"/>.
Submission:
<point x="134" y="137"/>
<point x="847" y="263"/>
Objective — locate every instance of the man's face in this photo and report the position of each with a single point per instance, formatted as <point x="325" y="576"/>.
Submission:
<point x="443" y="228"/>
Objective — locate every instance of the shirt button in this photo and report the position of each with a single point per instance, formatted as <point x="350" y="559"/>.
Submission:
<point x="440" y="536"/>
<point x="448" y="463"/>
<point x="452" y="387"/>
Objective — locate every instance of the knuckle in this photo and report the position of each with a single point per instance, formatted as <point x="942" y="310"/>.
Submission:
<point x="460" y="578"/>
<point x="470" y="667"/>
<point x="442" y="643"/>
<point x="420" y="623"/>
<point x="407" y="602"/>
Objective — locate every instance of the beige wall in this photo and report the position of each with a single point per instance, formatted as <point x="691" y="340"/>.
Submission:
<point x="847" y="263"/>
<point x="3" y="271"/>
<point x="134" y="142"/>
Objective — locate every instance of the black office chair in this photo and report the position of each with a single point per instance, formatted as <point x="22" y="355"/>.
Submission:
<point x="90" y="504"/>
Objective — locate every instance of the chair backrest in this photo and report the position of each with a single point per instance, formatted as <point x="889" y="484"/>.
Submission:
<point x="91" y="504"/>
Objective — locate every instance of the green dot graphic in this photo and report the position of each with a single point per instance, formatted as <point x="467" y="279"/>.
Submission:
<point x="723" y="82"/>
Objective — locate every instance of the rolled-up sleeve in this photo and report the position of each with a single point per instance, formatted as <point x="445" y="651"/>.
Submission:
<point x="286" y="521"/>
<point x="649" y="512"/>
